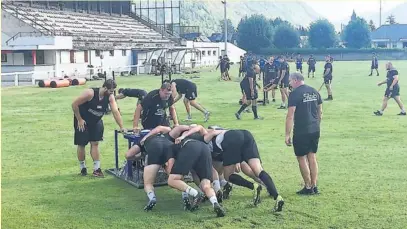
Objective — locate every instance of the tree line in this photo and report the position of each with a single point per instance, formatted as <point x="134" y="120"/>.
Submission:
<point x="256" y="32"/>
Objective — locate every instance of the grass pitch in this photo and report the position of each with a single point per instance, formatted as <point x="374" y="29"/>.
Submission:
<point x="361" y="157"/>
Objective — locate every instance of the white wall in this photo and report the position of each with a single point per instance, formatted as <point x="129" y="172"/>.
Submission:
<point x="110" y="63"/>
<point x="43" y="42"/>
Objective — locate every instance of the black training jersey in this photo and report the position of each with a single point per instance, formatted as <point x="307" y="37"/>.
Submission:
<point x="154" y="108"/>
<point x="92" y="111"/>
<point x="284" y="66"/>
<point x="311" y="62"/>
<point x="328" y="65"/>
<point x="374" y="61"/>
<point x="250" y="74"/>
<point x="135" y="93"/>
<point x="306" y="100"/>
<point x="183" y="85"/>
<point x="390" y="77"/>
<point x="271" y="70"/>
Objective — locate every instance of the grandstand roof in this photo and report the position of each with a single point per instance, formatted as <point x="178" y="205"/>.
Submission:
<point x="393" y="32"/>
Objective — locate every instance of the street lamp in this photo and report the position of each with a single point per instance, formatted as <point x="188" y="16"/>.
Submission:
<point x="225" y="27"/>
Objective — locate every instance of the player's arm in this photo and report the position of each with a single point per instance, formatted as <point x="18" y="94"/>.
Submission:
<point x="289" y="121"/>
<point x="383" y="82"/>
<point x="175" y="92"/>
<point x="173" y="113"/>
<point x="115" y="111"/>
<point x="197" y="129"/>
<point x="320" y="112"/>
<point x="282" y="75"/>
<point x="251" y="84"/>
<point x="157" y="130"/>
<point x="120" y="96"/>
<point x="136" y="116"/>
<point x="395" y="80"/>
<point x="86" y="96"/>
<point x="209" y="135"/>
<point x="169" y="165"/>
<point x="327" y="71"/>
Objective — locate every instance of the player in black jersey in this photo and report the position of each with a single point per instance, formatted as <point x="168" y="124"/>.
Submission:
<point x="193" y="154"/>
<point x="236" y="146"/>
<point x="248" y="85"/>
<point x="283" y="81"/>
<point x="328" y="69"/>
<point x="375" y="65"/>
<point x="89" y="108"/>
<point x="133" y="93"/>
<point x="152" y="109"/>
<point x="392" y="90"/>
<point x="298" y="62"/>
<point x="189" y="90"/>
<point x="271" y="71"/>
<point x="311" y="65"/>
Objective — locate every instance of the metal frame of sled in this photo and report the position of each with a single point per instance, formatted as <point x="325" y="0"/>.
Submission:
<point x="132" y="171"/>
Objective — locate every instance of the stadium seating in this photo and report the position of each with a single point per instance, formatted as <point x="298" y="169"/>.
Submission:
<point x="103" y="28"/>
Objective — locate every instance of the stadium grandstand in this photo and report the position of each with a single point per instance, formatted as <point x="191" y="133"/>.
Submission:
<point x="71" y="38"/>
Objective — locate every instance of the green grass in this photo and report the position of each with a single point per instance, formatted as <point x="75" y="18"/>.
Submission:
<point x="362" y="161"/>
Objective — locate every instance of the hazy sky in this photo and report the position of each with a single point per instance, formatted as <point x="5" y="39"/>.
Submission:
<point x="335" y="10"/>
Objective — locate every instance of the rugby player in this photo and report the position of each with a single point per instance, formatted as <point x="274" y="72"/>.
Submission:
<point x="133" y="93"/>
<point x="189" y="90"/>
<point x="305" y="114"/>
<point x="88" y="109"/>
<point x="328" y="77"/>
<point x="392" y="90"/>
<point x="298" y="62"/>
<point x="311" y="65"/>
<point x="375" y="65"/>
<point x="152" y="109"/>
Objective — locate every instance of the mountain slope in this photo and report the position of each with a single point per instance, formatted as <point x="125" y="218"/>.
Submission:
<point x="207" y="14"/>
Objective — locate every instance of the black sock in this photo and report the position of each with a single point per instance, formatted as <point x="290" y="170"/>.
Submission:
<point x="238" y="180"/>
<point x="242" y="108"/>
<point x="254" y="108"/>
<point x="271" y="188"/>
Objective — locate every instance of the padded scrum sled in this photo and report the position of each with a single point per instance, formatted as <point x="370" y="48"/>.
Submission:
<point x="78" y="81"/>
<point x="44" y="83"/>
<point x="132" y="173"/>
<point x="59" y="83"/>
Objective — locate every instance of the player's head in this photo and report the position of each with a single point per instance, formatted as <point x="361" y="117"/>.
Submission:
<point x="299" y="55"/>
<point x="328" y="58"/>
<point x="271" y="59"/>
<point x="296" y="79"/>
<point x="120" y="90"/>
<point x="311" y="56"/>
<point x="256" y="68"/>
<point x="389" y="65"/>
<point x="109" y="86"/>
<point x="165" y="91"/>
<point x="374" y="54"/>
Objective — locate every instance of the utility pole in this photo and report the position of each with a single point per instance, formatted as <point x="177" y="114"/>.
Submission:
<point x="380" y="20"/>
<point x="226" y="27"/>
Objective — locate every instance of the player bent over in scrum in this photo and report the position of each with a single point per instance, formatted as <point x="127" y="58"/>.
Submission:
<point x="237" y="146"/>
<point x="194" y="155"/>
<point x="157" y="145"/>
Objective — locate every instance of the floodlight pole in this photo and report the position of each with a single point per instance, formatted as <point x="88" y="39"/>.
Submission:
<point x="226" y="27"/>
<point x="380" y="20"/>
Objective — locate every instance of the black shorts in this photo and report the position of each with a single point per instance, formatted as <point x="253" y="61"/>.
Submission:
<point x="194" y="155"/>
<point x="158" y="149"/>
<point x="285" y="82"/>
<point x="391" y="94"/>
<point x="305" y="143"/>
<point x="374" y="67"/>
<point x="238" y="146"/>
<point x="299" y="67"/>
<point x="269" y="79"/>
<point x="328" y="79"/>
<point x="217" y="156"/>
<point x="93" y="133"/>
<point x="247" y="91"/>
<point x="311" y="69"/>
<point x="191" y="93"/>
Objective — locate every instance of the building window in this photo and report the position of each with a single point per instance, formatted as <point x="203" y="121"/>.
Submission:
<point x="72" y="56"/>
<point x="111" y="52"/>
<point x="203" y="53"/>
<point x="40" y="57"/>
<point x="85" y="55"/>
<point x="97" y="52"/>
<point x="124" y="52"/>
<point x="214" y="53"/>
<point x="3" y="57"/>
<point x="394" y="45"/>
<point x="209" y="53"/>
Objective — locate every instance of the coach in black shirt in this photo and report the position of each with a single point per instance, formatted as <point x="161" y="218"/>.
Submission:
<point x="153" y="109"/>
<point x="133" y="93"/>
<point x="305" y="113"/>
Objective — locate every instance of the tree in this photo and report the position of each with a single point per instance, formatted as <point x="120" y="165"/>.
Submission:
<point x="391" y="19"/>
<point x="286" y="36"/>
<point x="321" y="34"/>
<point x="231" y="28"/>
<point x="254" y="33"/>
<point x="357" y="34"/>
<point x="353" y="17"/>
<point x="372" y="26"/>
